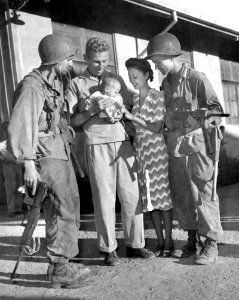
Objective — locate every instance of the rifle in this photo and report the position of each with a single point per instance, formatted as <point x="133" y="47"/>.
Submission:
<point x="35" y="202"/>
<point x="200" y="115"/>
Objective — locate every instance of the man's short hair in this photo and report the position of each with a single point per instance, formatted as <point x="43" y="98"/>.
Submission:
<point x="95" y="44"/>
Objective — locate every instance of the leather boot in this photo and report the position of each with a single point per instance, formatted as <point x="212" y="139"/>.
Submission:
<point x="208" y="254"/>
<point x="190" y="248"/>
<point x="68" y="275"/>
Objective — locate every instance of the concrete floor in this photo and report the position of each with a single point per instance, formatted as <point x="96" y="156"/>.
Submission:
<point x="35" y="279"/>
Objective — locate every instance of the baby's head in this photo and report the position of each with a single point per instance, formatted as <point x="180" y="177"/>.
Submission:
<point x="110" y="86"/>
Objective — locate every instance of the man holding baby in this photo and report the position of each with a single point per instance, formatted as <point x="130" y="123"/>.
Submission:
<point x="109" y="155"/>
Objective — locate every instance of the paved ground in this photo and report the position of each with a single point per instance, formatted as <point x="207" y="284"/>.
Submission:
<point x="159" y="278"/>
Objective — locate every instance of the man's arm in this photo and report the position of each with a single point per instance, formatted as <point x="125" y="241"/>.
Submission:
<point x="23" y="128"/>
<point x="209" y="98"/>
<point x="79" y="118"/>
<point x="23" y="132"/>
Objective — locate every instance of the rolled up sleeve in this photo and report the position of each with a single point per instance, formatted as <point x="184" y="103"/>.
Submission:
<point x="24" y="123"/>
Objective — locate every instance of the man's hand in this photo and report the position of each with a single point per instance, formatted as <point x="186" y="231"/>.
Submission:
<point x="97" y="105"/>
<point x="168" y="120"/>
<point x="192" y="124"/>
<point x="102" y="103"/>
<point x="31" y="176"/>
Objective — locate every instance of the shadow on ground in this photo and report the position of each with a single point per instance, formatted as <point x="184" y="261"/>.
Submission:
<point x="225" y="250"/>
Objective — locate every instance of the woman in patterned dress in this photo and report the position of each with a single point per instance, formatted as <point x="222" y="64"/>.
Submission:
<point x="151" y="153"/>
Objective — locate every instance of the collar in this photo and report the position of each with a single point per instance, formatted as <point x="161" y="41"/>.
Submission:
<point x="181" y="75"/>
<point x="184" y="70"/>
<point x="56" y="86"/>
<point x="87" y="74"/>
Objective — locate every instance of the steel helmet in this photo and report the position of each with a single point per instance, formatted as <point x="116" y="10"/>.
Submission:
<point x="164" y="44"/>
<point x="54" y="49"/>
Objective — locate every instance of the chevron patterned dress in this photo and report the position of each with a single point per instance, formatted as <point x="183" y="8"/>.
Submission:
<point x="151" y="154"/>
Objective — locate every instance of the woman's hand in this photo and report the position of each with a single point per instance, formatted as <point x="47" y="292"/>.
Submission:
<point x="128" y="115"/>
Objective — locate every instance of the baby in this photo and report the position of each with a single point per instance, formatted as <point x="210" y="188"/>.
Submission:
<point x="110" y="89"/>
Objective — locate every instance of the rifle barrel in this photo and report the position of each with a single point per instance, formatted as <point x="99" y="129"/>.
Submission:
<point x="218" y="115"/>
<point x="16" y="265"/>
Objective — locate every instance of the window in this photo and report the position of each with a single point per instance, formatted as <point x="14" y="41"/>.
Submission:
<point x="230" y="84"/>
<point x="79" y="37"/>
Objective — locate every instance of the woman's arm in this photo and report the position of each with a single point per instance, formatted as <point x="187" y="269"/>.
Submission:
<point x="155" y="127"/>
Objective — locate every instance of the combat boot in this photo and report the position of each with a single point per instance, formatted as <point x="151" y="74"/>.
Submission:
<point x="190" y="248"/>
<point x="50" y="269"/>
<point x="208" y="254"/>
<point x="68" y="275"/>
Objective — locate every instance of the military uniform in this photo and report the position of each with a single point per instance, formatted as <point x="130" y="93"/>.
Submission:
<point x="190" y="167"/>
<point x="38" y="131"/>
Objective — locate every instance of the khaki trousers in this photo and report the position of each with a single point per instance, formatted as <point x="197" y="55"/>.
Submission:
<point x="191" y="190"/>
<point x="61" y="209"/>
<point x="111" y="169"/>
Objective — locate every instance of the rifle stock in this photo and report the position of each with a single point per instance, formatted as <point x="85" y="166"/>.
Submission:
<point x="36" y="203"/>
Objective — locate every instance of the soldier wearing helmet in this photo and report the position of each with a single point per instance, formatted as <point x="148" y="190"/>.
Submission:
<point x="190" y="166"/>
<point x="38" y="138"/>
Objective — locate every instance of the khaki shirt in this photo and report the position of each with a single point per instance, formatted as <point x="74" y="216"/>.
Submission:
<point x="29" y="135"/>
<point x="97" y="130"/>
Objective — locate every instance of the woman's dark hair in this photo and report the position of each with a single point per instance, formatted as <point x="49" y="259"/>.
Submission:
<point x="140" y="64"/>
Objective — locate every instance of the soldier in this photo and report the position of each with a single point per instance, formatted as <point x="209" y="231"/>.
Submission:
<point x="191" y="168"/>
<point x="38" y="139"/>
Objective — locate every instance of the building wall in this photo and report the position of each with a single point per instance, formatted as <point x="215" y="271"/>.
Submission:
<point x="26" y="40"/>
<point x="210" y="65"/>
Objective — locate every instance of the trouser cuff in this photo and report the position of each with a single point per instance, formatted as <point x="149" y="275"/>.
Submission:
<point x="108" y="249"/>
<point x="135" y="245"/>
<point x="53" y="258"/>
